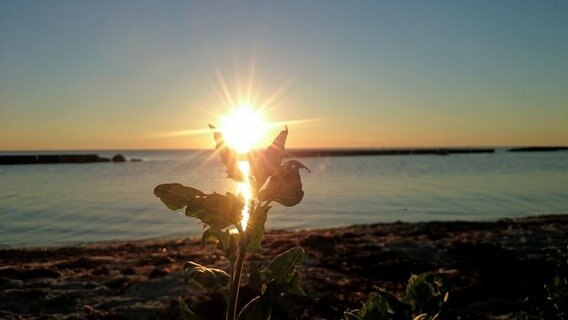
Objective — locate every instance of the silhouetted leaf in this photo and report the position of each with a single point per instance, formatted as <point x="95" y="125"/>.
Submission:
<point x="286" y="186"/>
<point x="254" y="278"/>
<point x="425" y="294"/>
<point x="228" y="156"/>
<point x="375" y="308"/>
<point x="208" y="278"/>
<point x="233" y="248"/>
<point x="222" y="238"/>
<point x="294" y="286"/>
<point x="275" y="152"/>
<point x="255" y="228"/>
<point x="282" y="267"/>
<point x="267" y="164"/>
<point x="259" y="308"/>
<point x="176" y="196"/>
<point x="351" y="315"/>
<point x="252" y="310"/>
<point x="282" y="271"/>
<point x="395" y="305"/>
<point x="418" y="290"/>
<point x="216" y="210"/>
<point x="186" y="313"/>
<point x="423" y="316"/>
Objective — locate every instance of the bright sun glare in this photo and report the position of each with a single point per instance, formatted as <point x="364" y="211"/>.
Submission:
<point x="243" y="128"/>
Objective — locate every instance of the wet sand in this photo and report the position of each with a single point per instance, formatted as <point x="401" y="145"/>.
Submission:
<point x="495" y="270"/>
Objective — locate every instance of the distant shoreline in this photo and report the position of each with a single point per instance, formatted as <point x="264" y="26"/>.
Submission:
<point x="45" y="157"/>
<point x="300" y="153"/>
<point x="538" y="149"/>
<point x="59" y="159"/>
<point x="385" y="152"/>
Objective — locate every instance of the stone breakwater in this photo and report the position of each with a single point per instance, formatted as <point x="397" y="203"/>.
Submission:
<point x="298" y="153"/>
<point x="59" y="158"/>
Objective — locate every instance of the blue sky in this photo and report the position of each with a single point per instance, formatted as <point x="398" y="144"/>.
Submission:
<point x="121" y="74"/>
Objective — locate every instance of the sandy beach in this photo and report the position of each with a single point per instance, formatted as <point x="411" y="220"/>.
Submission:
<point x="494" y="270"/>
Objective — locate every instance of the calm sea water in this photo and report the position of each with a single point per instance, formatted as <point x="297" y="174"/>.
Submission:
<point x="44" y="205"/>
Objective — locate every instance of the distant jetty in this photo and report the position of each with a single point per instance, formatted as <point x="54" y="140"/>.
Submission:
<point x="538" y="149"/>
<point x="59" y="158"/>
<point x="384" y="152"/>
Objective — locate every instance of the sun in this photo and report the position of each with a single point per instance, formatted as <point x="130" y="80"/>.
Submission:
<point x="243" y="128"/>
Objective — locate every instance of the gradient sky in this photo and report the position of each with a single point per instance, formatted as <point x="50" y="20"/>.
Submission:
<point x="123" y="74"/>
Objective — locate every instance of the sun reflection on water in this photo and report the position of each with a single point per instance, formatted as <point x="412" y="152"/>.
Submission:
<point x="244" y="189"/>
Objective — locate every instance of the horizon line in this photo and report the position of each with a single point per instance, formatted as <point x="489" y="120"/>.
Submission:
<point x="301" y="148"/>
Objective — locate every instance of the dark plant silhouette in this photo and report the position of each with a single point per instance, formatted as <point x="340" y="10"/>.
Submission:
<point x="424" y="299"/>
<point x="270" y="180"/>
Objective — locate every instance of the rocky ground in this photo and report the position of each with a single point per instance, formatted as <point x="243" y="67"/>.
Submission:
<point x="495" y="270"/>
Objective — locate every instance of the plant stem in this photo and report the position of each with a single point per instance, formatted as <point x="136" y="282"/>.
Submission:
<point x="236" y="283"/>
